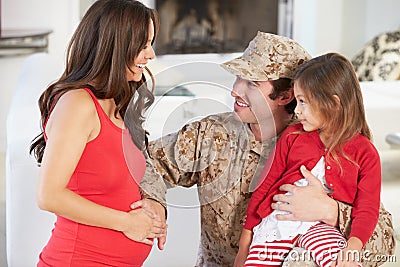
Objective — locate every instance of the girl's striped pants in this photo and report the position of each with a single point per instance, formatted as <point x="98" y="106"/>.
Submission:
<point x="323" y="241"/>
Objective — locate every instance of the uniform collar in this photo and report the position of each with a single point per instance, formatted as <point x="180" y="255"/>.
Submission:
<point x="266" y="145"/>
<point x="257" y="146"/>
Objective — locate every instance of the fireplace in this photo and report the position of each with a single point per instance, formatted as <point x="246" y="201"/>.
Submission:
<point x="218" y="26"/>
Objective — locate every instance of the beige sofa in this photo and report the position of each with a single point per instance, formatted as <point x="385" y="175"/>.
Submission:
<point x="382" y="105"/>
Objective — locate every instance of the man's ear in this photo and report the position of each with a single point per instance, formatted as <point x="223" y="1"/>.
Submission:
<point x="286" y="97"/>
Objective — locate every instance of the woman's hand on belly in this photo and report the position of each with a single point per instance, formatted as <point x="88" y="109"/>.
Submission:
<point x="142" y="226"/>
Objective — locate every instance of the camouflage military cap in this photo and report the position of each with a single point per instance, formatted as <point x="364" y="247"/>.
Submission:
<point x="268" y="57"/>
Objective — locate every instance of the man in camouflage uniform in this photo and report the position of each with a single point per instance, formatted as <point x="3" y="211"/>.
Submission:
<point x="223" y="155"/>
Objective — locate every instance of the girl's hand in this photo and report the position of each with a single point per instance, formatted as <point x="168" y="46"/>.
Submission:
<point x="240" y="258"/>
<point x="244" y="246"/>
<point x="347" y="258"/>
<point x="350" y="255"/>
<point x="143" y="226"/>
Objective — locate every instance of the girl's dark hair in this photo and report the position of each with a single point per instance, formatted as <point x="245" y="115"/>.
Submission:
<point x="110" y="36"/>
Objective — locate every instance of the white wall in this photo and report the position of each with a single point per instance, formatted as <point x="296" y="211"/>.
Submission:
<point x="381" y="16"/>
<point x="353" y="26"/>
<point x="60" y="16"/>
<point x="344" y="26"/>
<point x="313" y="27"/>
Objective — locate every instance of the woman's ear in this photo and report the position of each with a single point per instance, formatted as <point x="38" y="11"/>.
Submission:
<point x="286" y="97"/>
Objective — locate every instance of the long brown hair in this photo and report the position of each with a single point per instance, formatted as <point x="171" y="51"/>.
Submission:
<point x="110" y="36"/>
<point x="324" y="79"/>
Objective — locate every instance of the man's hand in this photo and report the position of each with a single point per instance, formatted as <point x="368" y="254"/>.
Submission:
<point x="306" y="203"/>
<point x="154" y="209"/>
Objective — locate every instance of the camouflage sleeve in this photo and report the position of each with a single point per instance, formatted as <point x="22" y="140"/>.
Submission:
<point x="152" y="185"/>
<point x="380" y="245"/>
<point x="171" y="162"/>
<point x="376" y="251"/>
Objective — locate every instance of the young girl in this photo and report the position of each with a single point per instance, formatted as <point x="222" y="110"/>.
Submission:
<point x="84" y="178"/>
<point x="332" y="138"/>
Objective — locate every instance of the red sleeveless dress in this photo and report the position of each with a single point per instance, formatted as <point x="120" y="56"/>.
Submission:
<point x="105" y="176"/>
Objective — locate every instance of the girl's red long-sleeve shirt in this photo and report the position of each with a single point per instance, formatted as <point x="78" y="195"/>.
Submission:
<point x="357" y="183"/>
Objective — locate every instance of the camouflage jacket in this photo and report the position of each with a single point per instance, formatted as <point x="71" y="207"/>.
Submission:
<point x="221" y="156"/>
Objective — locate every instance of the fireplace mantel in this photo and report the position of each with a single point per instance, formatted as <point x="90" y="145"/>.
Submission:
<point x="15" y="42"/>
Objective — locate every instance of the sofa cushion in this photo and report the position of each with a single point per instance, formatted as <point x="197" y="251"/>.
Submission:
<point x="379" y="60"/>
